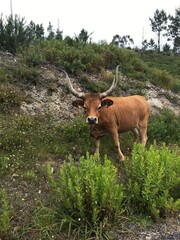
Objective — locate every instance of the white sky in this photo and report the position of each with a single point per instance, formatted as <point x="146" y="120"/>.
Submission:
<point x="105" y="18"/>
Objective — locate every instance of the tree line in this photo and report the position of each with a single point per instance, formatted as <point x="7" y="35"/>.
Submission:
<point x="163" y="25"/>
<point x="15" y="33"/>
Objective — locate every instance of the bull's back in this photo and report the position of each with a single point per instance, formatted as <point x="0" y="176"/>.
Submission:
<point x="125" y="113"/>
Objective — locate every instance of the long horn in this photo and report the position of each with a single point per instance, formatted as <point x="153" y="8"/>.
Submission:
<point x="114" y="83"/>
<point x="71" y="89"/>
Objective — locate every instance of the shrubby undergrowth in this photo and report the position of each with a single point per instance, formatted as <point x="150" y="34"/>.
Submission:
<point x="164" y="127"/>
<point x="153" y="180"/>
<point x="77" y="57"/>
<point x="90" y="193"/>
<point x="87" y="192"/>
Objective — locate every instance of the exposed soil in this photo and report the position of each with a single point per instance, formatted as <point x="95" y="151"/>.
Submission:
<point x="52" y="97"/>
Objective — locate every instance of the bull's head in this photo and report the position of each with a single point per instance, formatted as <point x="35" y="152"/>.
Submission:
<point x="92" y="102"/>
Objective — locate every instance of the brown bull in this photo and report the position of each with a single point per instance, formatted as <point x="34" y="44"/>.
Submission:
<point x="113" y="115"/>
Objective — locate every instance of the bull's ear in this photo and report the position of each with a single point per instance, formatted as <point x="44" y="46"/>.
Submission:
<point x="78" y="103"/>
<point x="106" y="102"/>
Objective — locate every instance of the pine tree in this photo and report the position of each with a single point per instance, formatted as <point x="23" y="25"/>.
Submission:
<point x="158" y="24"/>
<point x="83" y="36"/>
<point x="174" y="30"/>
<point x="122" y="42"/>
<point x="51" y="33"/>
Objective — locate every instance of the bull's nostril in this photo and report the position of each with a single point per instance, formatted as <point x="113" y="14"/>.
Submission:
<point x="92" y="120"/>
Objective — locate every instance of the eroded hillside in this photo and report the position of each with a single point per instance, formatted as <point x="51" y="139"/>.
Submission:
<point x="49" y="95"/>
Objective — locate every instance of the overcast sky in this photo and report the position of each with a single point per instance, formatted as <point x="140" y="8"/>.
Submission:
<point x="105" y="18"/>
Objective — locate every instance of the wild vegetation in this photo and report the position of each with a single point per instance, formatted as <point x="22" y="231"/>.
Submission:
<point x="52" y="187"/>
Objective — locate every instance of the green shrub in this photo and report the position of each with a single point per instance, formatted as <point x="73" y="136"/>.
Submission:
<point x="10" y="98"/>
<point x="26" y="74"/>
<point x="92" y="86"/>
<point x="168" y="61"/>
<point x="153" y="180"/>
<point x="160" y="78"/>
<point x="175" y="86"/>
<point x="164" y="127"/>
<point x="76" y="128"/>
<point x="87" y="192"/>
<point x="33" y="54"/>
<point x="76" y="57"/>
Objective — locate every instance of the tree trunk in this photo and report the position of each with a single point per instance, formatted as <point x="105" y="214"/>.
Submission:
<point x="159" y="35"/>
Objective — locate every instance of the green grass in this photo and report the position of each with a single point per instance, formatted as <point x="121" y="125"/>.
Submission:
<point x="165" y="60"/>
<point x="168" y="63"/>
<point x="29" y="144"/>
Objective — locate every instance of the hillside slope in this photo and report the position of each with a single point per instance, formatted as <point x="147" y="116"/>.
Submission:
<point x="50" y="95"/>
<point x="54" y="98"/>
<point x="28" y="145"/>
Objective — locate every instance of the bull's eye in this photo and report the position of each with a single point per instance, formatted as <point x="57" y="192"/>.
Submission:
<point x="85" y="108"/>
<point x="99" y="108"/>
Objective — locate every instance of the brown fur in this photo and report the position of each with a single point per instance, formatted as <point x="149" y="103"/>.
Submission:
<point x="116" y="115"/>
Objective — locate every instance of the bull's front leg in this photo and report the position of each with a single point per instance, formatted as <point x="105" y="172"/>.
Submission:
<point x="97" y="144"/>
<point x="115" y="137"/>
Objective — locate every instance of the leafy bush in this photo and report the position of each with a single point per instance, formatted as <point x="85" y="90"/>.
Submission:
<point x="87" y="192"/>
<point x="164" y="127"/>
<point x="153" y="180"/>
<point x="161" y="78"/>
<point x="33" y="54"/>
<point x="26" y="74"/>
<point x="168" y="61"/>
<point x="10" y="98"/>
<point x="77" y="57"/>
<point x="92" y="86"/>
<point x="175" y="86"/>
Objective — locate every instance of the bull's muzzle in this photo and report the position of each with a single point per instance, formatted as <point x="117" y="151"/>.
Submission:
<point x="92" y="120"/>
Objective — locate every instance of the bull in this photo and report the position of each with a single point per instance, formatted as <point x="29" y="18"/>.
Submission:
<point x="113" y="115"/>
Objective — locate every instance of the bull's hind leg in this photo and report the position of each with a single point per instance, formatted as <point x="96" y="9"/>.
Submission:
<point x="143" y="130"/>
<point x="136" y="134"/>
<point x="144" y="137"/>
